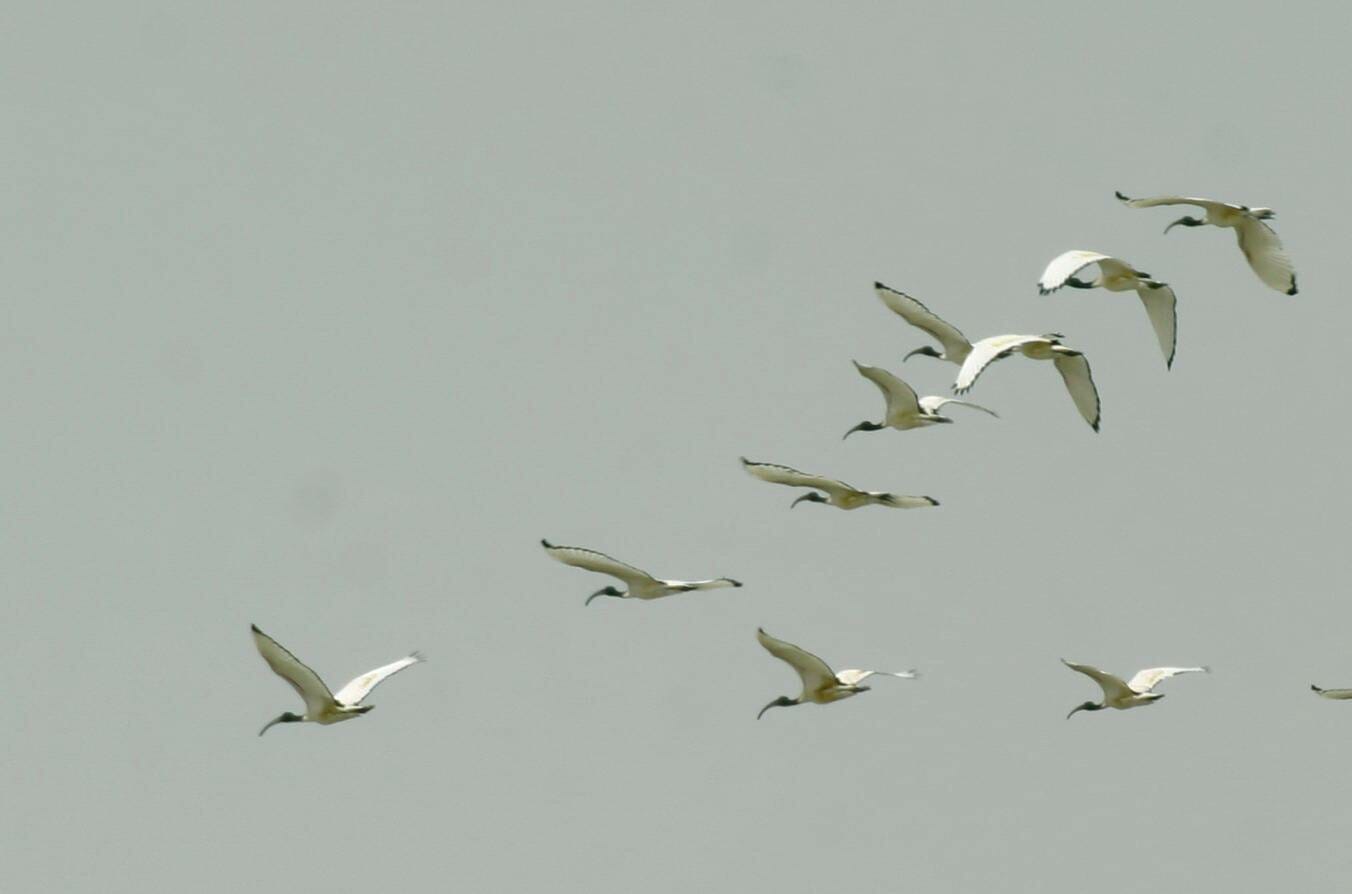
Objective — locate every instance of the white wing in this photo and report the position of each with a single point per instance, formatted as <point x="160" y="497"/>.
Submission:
<point x="932" y="404"/>
<point x="1113" y="687"/>
<point x="1160" y="305"/>
<point x="1064" y="266"/>
<point x="1074" y="369"/>
<point x="986" y="352"/>
<point x="852" y="677"/>
<point x="1148" y="679"/>
<point x="306" y="682"/>
<point x="901" y="501"/>
<point x="901" y="398"/>
<point x="815" y="673"/>
<point x="1265" y="254"/>
<point x="1333" y="693"/>
<point x="591" y="560"/>
<point x="360" y="687"/>
<point x="1208" y="204"/>
<point x="776" y="474"/>
<point x="714" y="584"/>
<point x="955" y="344"/>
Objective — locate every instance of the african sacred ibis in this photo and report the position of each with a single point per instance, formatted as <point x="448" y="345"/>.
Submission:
<point x="1257" y="240"/>
<point x="904" y="409"/>
<point x="1117" y="275"/>
<point x="838" y="493"/>
<point x="1338" y="694"/>
<point x="1131" y="694"/>
<point x="955" y="344"/>
<point x="321" y="705"/>
<point x="1071" y="364"/>
<point x="640" y="584"/>
<point x="821" y="685"/>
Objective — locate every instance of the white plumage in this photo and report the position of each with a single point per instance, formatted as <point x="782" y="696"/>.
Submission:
<point x="1116" y="275"/>
<point x="1071" y="364"/>
<point x="904" y="409"/>
<point x="321" y="705"/>
<point x="955" y="344"/>
<point x="821" y="685"/>
<point x="639" y="584"/>
<point x="1336" y="694"/>
<point x="1131" y="694"/>
<point x="838" y="493"/>
<point x="1258" y="241"/>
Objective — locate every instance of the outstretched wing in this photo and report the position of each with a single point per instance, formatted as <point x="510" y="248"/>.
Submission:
<point x="1074" y="370"/>
<point x="1265" y="254"/>
<point x="1208" y="204"/>
<point x="1340" y="694"/>
<point x="955" y="344"/>
<point x="1066" y="265"/>
<point x="1113" y="687"/>
<point x="776" y="474"/>
<point x="932" y="404"/>
<point x="360" y="687"/>
<point x="306" y="682"/>
<point x="1148" y="679"/>
<point x="1160" y="305"/>
<point x="901" y="398"/>
<point x="985" y="352"/>
<point x="814" y="672"/>
<point x="852" y="676"/>
<point x="591" y="560"/>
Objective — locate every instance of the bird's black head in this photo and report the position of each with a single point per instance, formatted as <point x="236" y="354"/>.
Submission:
<point x="811" y="497"/>
<point x="287" y="717"/>
<point x="1087" y="706"/>
<point x="927" y="350"/>
<point x="604" y="591"/>
<point x="1185" y="222"/>
<point x="782" y="702"/>
<point x="863" y="426"/>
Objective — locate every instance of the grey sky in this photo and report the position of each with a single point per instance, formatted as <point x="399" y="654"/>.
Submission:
<point x="319" y="316"/>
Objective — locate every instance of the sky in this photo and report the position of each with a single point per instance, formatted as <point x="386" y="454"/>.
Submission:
<point x="320" y="315"/>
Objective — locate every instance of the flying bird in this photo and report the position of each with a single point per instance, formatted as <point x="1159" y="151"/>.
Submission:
<point x="820" y="684"/>
<point x="955" y="345"/>
<point x="639" y="584"/>
<point x="1117" y="275"/>
<point x="1132" y="694"/>
<point x="322" y="706"/>
<point x="837" y="493"/>
<point x="1071" y="364"/>
<point x="1338" y="694"/>
<point x="904" y="409"/>
<point x="1257" y="240"/>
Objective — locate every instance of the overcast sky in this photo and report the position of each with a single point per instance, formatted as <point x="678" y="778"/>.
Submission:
<point x="319" y="315"/>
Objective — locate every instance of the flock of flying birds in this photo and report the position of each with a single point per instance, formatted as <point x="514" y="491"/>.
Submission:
<point x="904" y="410"/>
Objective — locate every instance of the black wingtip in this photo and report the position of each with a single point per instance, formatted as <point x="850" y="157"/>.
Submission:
<point x="546" y="544"/>
<point x="254" y="628"/>
<point x="735" y="583"/>
<point x="878" y="285"/>
<point x="932" y="501"/>
<point x="1118" y="193"/>
<point x="1293" y="289"/>
<point x="1315" y="688"/>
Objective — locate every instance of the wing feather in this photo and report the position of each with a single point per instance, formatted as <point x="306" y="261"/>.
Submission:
<point x="1148" y="679"/>
<point x="1265" y="254"/>
<point x="1161" y="306"/>
<point x="955" y="344"/>
<point x="305" y="681"/>
<point x="360" y="687"/>
<point x="814" y="672"/>
<point x="852" y="676"/>
<point x="901" y="398"/>
<point x="1064" y="266"/>
<point x="1074" y="369"/>
<point x="776" y="474"/>
<point x="1339" y="694"/>
<point x="591" y="560"/>
<point x="986" y="352"/>
<point x="1113" y="687"/>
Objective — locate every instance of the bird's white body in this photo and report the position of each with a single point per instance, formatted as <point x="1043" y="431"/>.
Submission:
<point x="1335" y="694"/>
<point x="905" y="410"/>
<point x="1116" y="275"/>
<point x="955" y="345"/>
<point x="821" y="685"/>
<point x="638" y="584"/>
<point x="1258" y="241"/>
<point x="838" y="493"/>
<point x="1138" y="691"/>
<point x="321" y="705"/>
<point x="1071" y="364"/>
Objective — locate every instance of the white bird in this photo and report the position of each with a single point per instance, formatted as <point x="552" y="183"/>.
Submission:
<point x="821" y="685"/>
<point x="838" y="493"/>
<point x="1257" y="240"/>
<point x="639" y="584"/>
<point x="1338" y="694"/>
<point x="1071" y="364"/>
<point x="1131" y="694"/>
<point x="1117" y="275"/>
<point x="321" y="705"/>
<point x="904" y="409"/>
<point x="955" y="344"/>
